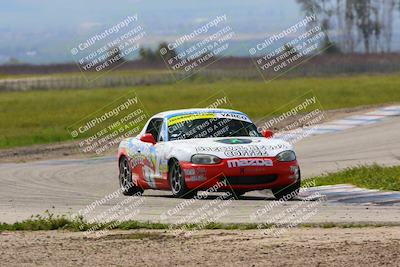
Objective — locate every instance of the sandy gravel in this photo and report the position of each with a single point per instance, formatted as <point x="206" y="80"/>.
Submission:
<point x="296" y="247"/>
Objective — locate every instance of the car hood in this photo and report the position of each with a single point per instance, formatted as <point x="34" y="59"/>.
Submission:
<point x="228" y="147"/>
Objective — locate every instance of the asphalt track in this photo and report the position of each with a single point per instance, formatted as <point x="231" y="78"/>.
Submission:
<point x="67" y="186"/>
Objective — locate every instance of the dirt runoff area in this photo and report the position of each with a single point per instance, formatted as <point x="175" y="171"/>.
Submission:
<point x="369" y="246"/>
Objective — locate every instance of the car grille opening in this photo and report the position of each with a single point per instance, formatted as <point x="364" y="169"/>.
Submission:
<point x="251" y="180"/>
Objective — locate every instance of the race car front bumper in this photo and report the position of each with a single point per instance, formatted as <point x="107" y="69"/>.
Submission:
<point x="239" y="177"/>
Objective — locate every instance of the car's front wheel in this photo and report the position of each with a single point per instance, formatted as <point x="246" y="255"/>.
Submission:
<point x="125" y="179"/>
<point x="177" y="181"/>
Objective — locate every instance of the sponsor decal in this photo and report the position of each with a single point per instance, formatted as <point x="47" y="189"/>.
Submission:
<point x="240" y="150"/>
<point x="194" y="175"/>
<point x="240" y="117"/>
<point x="234" y="141"/>
<point x="190" y="117"/>
<point x="207" y="115"/>
<point x="234" y="163"/>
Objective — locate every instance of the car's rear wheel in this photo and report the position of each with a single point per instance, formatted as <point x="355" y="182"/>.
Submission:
<point x="177" y="181"/>
<point x="287" y="193"/>
<point x="125" y="179"/>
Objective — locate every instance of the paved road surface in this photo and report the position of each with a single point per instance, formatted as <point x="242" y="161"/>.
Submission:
<point x="63" y="186"/>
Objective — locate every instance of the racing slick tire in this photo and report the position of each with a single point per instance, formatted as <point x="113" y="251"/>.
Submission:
<point x="177" y="181"/>
<point x="125" y="179"/>
<point x="289" y="192"/>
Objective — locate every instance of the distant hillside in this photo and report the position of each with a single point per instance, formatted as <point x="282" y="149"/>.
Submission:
<point x="43" y="31"/>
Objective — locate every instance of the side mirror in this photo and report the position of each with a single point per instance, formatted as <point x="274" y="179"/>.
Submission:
<point x="268" y="133"/>
<point x="148" y="138"/>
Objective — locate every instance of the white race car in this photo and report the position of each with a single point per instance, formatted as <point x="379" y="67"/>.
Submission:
<point x="194" y="149"/>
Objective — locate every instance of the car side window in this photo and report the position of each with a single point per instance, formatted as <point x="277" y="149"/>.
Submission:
<point x="154" y="128"/>
<point x="162" y="132"/>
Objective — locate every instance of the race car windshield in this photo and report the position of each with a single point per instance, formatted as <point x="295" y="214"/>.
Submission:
<point x="215" y="127"/>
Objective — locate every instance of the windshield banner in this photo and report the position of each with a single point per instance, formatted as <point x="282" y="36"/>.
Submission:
<point x="197" y="116"/>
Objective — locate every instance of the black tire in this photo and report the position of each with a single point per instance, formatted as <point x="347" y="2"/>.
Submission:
<point x="177" y="181"/>
<point x="125" y="179"/>
<point x="289" y="192"/>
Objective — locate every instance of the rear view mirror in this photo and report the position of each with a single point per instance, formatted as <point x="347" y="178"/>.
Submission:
<point x="268" y="133"/>
<point x="148" y="138"/>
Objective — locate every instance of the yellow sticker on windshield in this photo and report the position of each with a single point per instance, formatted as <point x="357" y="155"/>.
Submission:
<point x="190" y="117"/>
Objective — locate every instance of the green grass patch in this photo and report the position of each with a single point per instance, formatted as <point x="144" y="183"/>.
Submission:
<point x="36" y="117"/>
<point x="89" y="75"/>
<point x="49" y="221"/>
<point x="345" y="225"/>
<point x="372" y="177"/>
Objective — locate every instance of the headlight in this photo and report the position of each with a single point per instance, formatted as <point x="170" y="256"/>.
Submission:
<point x="287" y="155"/>
<point x="205" y="159"/>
